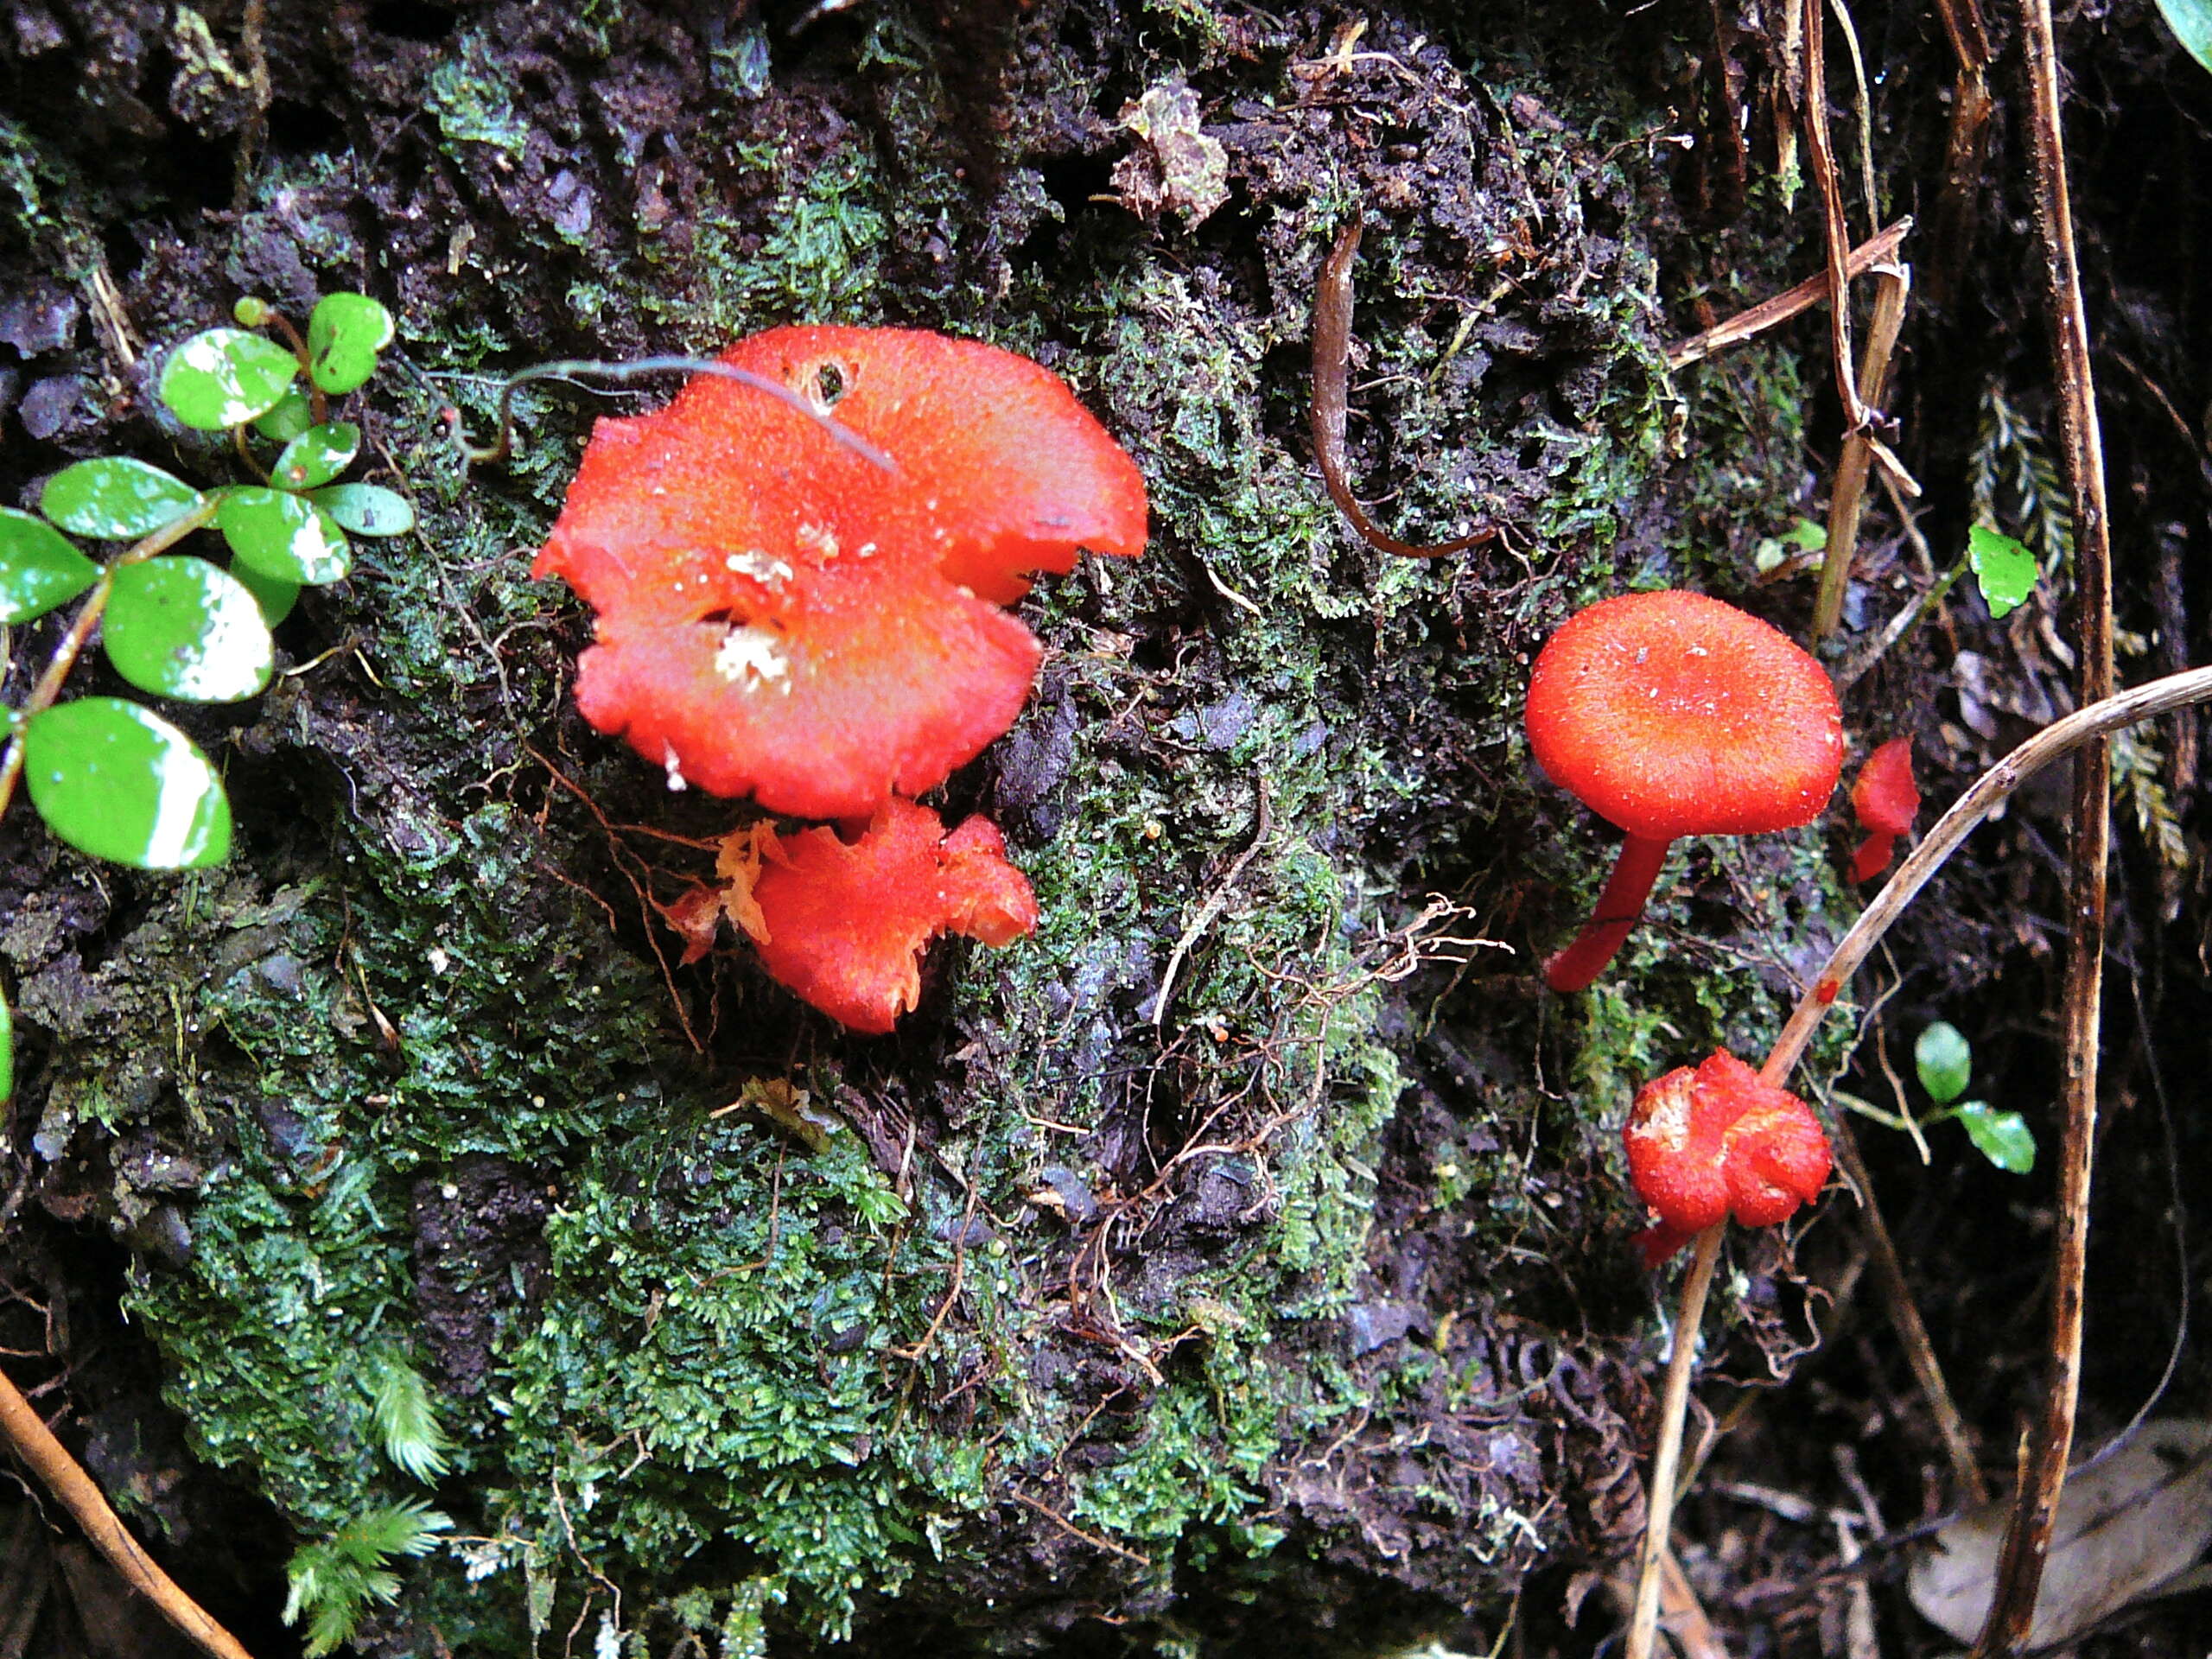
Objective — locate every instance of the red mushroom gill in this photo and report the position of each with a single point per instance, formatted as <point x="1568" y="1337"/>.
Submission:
<point x="1887" y="801"/>
<point x="779" y="616"/>
<point x="842" y="924"/>
<point x="1716" y="1142"/>
<point x="1670" y="714"/>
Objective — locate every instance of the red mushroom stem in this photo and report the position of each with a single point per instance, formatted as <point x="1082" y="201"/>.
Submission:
<point x="1620" y="907"/>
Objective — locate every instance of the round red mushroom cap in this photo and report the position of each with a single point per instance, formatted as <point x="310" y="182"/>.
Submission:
<point x="1707" y="1143"/>
<point x="842" y="924"/>
<point x="779" y="616"/>
<point x="1672" y="714"/>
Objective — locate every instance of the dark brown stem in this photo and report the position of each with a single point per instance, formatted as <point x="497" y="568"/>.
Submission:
<point x="46" y="1458"/>
<point x="1332" y="306"/>
<point x="80" y="632"/>
<point x="1951" y="228"/>
<point x="1837" y="233"/>
<point x="2035" y="1512"/>
<point x="1620" y="907"/>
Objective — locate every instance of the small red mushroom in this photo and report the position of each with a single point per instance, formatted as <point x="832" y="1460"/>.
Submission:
<point x="1671" y="714"/>
<point x="1887" y="801"/>
<point x="1716" y="1142"/>
<point x="842" y="924"/>
<point x="778" y="615"/>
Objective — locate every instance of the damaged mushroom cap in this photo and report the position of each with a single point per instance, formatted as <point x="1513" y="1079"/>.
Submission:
<point x="778" y="615"/>
<point x="1708" y="1143"/>
<point x="1672" y="714"/>
<point x="842" y="924"/>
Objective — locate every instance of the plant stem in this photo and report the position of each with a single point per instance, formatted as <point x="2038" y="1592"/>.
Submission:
<point x="80" y="632"/>
<point x="62" y="1476"/>
<point x="1620" y="907"/>
<point x="2056" y="742"/>
<point x="1659" y="1495"/>
<point x="1848" y="494"/>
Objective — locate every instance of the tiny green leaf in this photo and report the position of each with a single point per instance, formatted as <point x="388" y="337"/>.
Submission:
<point x="2191" y="23"/>
<point x="39" y="569"/>
<point x="344" y="336"/>
<point x="2003" y="1138"/>
<point x="281" y="534"/>
<point x="2003" y="569"/>
<point x="293" y="414"/>
<point x="275" y="595"/>
<point x="115" y="498"/>
<point x="365" y="509"/>
<point x="317" y="456"/>
<point x="121" y="783"/>
<point x="1945" y="1062"/>
<point x="226" y="375"/>
<point x="180" y="627"/>
<point x="251" y="311"/>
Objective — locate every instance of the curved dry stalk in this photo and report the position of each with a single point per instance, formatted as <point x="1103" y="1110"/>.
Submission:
<point x="2057" y="741"/>
<point x="50" y="1461"/>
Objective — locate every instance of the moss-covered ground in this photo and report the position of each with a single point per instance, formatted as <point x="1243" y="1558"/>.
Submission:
<point x="1249" y="1233"/>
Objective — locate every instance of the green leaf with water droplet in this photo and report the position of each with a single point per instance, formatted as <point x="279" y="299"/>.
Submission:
<point x="2003" y="1138"/>
<point x="115" y="498"/>
<point x="294" y="414"/>
<point x="365" y="509"/>
<point x="180" y="627"/>
<point x="1944" y="1060"/>
<point x="275" y="595"/>
<point x="344" y="336"/>
<point x="2003" y="569"/>
<point x="121" y="783"/>
<point x="224" y="377"/>
<point x="281" y="534"/>
<point x="317" y="456"/>
<point x="39" y="569"/>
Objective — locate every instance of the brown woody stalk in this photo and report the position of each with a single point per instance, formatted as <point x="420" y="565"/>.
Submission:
<point x="1848" y="496"/>
<point x="36" y="1445"/>
<point x="2035" y="1513"/>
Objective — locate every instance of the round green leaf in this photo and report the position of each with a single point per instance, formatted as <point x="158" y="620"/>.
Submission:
<point x="1944" y="1062"/>
<point x="115" y="498"/>
<point x="344" y="336"/>
<point x="39" y="569"/>
<point x="2003" y="569"/>
<point x="317" y="456"/>
<point x="365" y="509"/>
<point x="294" y="414"/>
<point x="180" y="627"/>
<point x="281" y="534"/>
<point x="121" y="783"/>
<point x="226" y="375"/>
<point x="275" y="595"/>
<point x="2003" y="1138"/>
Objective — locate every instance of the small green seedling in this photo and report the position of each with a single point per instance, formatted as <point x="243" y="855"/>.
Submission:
<point x="1945" y="1062"/>
<point x="113" y="779"/>
<point x="333" y="1582"/>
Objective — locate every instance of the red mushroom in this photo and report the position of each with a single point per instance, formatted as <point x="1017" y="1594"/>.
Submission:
<point x="842" y="924"/>
<point x="1716" y="1142"/>
<point x="1887" y="801"/>
<point x="779" y="616"/>
<point x="1671" y="714"/>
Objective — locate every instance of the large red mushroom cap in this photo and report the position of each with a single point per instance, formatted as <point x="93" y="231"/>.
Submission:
<point x="1672" y="714"/>
<point x="842" y="924"/>
<point x="1716" y="1142"/>
<point x="781" y="616"/>
<point x="1886" y="800"/>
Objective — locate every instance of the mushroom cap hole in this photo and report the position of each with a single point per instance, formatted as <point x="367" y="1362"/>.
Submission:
<point x="1671" y="714"/>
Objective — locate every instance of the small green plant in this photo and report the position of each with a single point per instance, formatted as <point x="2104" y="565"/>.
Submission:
<point x="406" y="1424"/>
<point x="333" y="1582"/>
<point x="109" y="776"/>
<point x="1944" y="1060"/>
<point x="2003" y="569"/>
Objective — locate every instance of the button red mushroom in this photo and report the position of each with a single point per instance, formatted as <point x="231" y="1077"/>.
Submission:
<point x="1670" y="714"/>
<point x="779" y="616"/>
<point x="842" y="924"/>
<point x="1886" y="800"/>
<point x="1707" y="1144"/>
